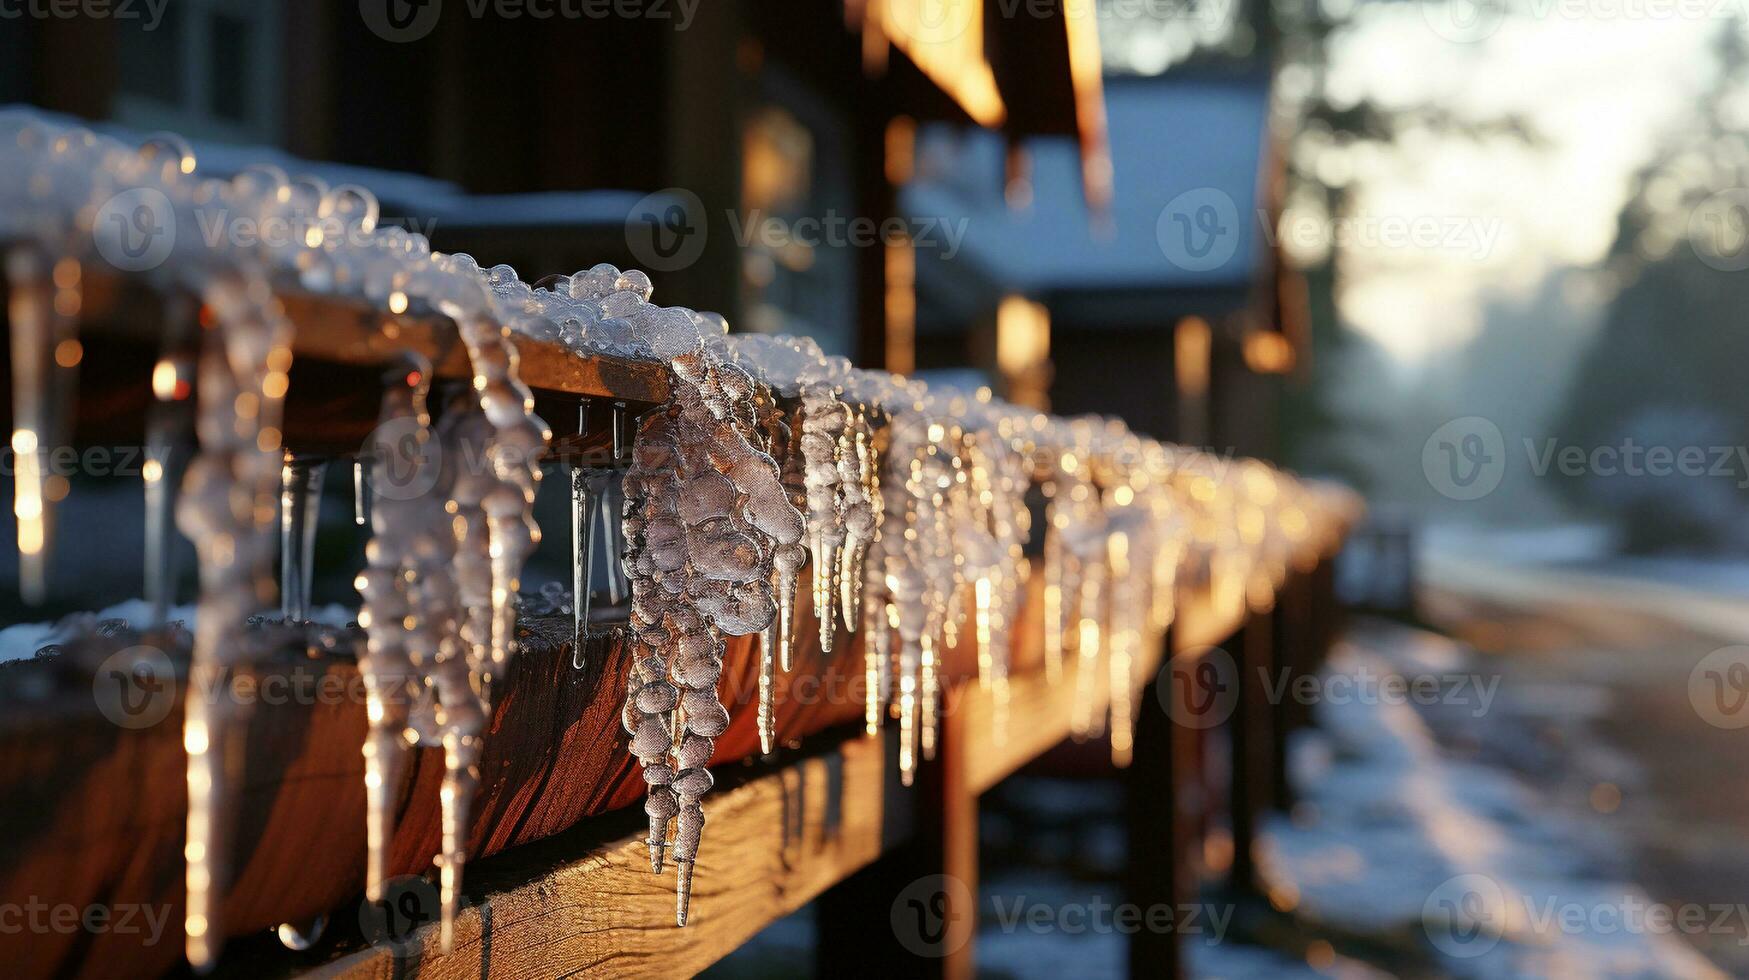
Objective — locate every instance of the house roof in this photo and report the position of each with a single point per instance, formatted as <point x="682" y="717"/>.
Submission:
<point x="1188" y="157"/>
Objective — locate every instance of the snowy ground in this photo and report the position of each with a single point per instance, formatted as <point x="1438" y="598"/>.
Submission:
<point x="1581" y="551"/>
<point x="1400" y="843"/>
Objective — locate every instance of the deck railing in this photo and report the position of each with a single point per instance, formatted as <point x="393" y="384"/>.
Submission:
<point x="104" y="737"/>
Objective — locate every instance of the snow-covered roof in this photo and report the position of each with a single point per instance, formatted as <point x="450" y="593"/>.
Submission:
<point x="1187" y="158"/>
<point x="430" y="200"/>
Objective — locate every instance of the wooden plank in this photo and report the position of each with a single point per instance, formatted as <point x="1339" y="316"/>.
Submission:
<point x="772" y="845"/>
<point x="349" y="334"/>
<point x="92" y="813"/>
<point x="555" y="755"/>
<point x="598" y="908"/>
<point x="1039" y="712"/>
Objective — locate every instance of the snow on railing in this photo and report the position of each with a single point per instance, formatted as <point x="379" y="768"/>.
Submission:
<point x="908" y="500"/>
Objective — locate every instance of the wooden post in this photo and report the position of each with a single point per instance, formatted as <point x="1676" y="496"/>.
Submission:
<point x="1156" y="866"/>
<point x="913" y="913"/>
<point x="1291" y="633"/>
<point x="1250" y="726"/>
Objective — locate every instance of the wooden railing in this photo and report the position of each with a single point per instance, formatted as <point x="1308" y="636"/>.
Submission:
<point x="92" y="813"/>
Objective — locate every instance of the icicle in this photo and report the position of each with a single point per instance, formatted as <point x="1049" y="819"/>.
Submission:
<point x="404" y="527"/>
<point x="226" y="510"/>
<point x="1081" y="715"/>
<point x="609" y="508"/>
<point x="767" y="679"/>
<point x="360" y="516"/>
<point x="910" y="661"/>
<point x="461" y="776"/>
<point x="1054" y="623"/>
<point x="786" y="617"/>
<point x="889" y="664"/>
<point x="169" y="442"/>
<point x="873" y="653"/>
<point x="300" y="502"/>
<point x="707" y="519"/>
<point x="1118" y="611"/>
<point x="584" y="504"/>
<point x="462" y="681"/>
<point x="986" y="651"/>
<point x="929" y="684"/>
<point x="859" y="487"/>
<point x="30" y="319"/>
<point x="823" y="424"/>
<point x="876" y="657"/>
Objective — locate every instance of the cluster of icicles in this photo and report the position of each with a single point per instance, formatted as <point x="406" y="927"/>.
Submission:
<point x="909" y="502"/>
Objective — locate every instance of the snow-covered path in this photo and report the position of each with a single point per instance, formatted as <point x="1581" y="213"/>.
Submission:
<point x="1433" y="847"/>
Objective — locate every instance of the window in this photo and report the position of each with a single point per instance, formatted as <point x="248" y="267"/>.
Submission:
<point x="209" y="69"/>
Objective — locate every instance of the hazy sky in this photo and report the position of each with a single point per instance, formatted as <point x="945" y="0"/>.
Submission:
<point x="1442" y="223"/>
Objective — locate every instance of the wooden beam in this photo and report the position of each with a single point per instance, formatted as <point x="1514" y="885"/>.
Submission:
<point x="1155" y="869"/>
<point x="347" y="332"/>
<point x="1039" y="711"/>
<point x="772" y="844"/>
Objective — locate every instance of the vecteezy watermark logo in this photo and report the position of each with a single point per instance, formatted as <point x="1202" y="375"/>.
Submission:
<point x="667" y="230"/>
<point x="932" y="916"/>
<point x="37" y="917"/>
<point x="1718" y="687"/>
<point x="1465" y="916"/>
<point x="400" y="21"/>
<point x="836" y="230"/>
<point x="408" y="902"/>
<point x="1099" y="917"/>
<point x="1465" y="458"/>
<point x="1369" y="687"/>
<point x="1464" y="21"/>
<point x="410" y="20"/>
<point x="136" y="229"/>
<point x="1199" y="687"/>
<point x="135" y="687"/>
<point x="1636" y="461"/>
<point x="1466" y="236"/>
<point x="1718" y="230"/>
<point x="1198" y="230"/>
<point x="150" y="13"/>
<point x="1468" y="915"/>
<point x="405" y="457"/>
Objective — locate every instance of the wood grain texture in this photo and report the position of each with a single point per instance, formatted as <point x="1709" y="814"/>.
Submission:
<point x="92" y="813"/>
<point x="343" y="333"/>
<point x="348" y="332"/>
<point x="771" y="845"/>
<point x="1039" y="711"/>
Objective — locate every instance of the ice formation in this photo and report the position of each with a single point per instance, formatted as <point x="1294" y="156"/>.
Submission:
<point x="706" y="517"/>
<point x="910" y="503"/>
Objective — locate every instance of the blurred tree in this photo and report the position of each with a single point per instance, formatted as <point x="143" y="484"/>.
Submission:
<point x="1323" y="132"/>
<point x="1664" y="369"/>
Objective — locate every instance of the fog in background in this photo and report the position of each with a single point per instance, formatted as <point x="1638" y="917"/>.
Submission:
<point x="1530" y="228"/>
